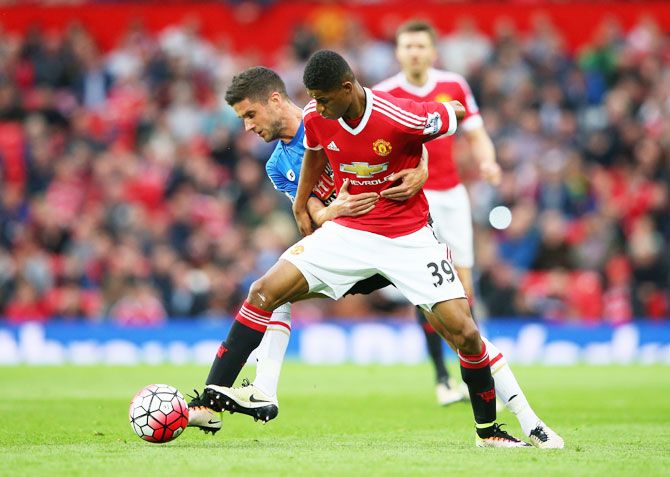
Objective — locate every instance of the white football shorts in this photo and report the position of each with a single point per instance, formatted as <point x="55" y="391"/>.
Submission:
<point x="335" y="257"/>
<point x="452" y="222"/>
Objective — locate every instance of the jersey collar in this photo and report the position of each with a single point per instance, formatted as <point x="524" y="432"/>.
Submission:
<point x="364" y="120"/>
<point x="420" y="91"/>
<point x="299" y="134"/>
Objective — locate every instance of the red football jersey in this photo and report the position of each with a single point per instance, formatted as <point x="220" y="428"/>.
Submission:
<point x="388" y="138"/>
<point x="441" y="86"/>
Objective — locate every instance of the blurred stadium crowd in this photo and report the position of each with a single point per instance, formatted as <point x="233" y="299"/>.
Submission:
<point x="130" y="192"/>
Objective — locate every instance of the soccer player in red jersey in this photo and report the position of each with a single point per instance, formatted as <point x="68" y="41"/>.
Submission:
<point x="449" y="202"/>
<point x="367" y="136"/>
<point x="259" y="97"/>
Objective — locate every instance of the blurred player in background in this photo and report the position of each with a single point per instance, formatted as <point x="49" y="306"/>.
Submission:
<point x="448" y="199"/>
<point x="449" y="203"/>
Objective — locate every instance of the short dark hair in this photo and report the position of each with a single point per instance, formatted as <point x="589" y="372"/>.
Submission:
<point x="256" y="83"/>
<point x="414" y="26"/>
<point x="326" y="70"/>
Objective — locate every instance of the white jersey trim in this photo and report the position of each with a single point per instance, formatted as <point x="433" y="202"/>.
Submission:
<point x="304" y="143"/>
<point x="453" y="122"/>
<point x="404" y="120"/>
<point x="309" y="108"/>
<point x="400" y="111"/>
<point x="421" y="91"/>
<point x="366" y="116"/>
<point x="397" y="119"/>
<point x="435" y="76"/>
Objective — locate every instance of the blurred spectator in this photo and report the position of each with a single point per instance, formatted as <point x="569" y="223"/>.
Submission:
<point x="130" y="191"/>
<point x="554" y="251"/>
<point x="465" y="49"/>
<point x="519" y="242"/>
<point x="25" y="305"/>
<point x="497" y="286"/>
<point x="93" y="82"/>
<point x="138" y="305"/>
<point x="617" y="297"/>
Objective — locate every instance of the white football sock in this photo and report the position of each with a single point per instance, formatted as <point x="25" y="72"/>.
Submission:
<point x="508" y="389"/>
<point x="271" y="351"/>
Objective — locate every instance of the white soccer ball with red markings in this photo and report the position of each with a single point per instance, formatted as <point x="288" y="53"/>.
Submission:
<point x="158" y="413"/>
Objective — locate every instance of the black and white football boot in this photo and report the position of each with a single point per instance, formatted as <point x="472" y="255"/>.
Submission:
<point x="246" y="399"/>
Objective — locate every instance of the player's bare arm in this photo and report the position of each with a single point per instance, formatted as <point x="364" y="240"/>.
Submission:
<point x="313" y="164"/>
<point x="411" y="180"/>
<point x="459" y="109"/>
<point x="484" y="153"/>
<point x="345" y="204"/>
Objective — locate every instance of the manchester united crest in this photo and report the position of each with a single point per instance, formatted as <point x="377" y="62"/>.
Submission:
<point x="381" y="147"/>
<point x="297" y="250"/>
<point x="443" y="98"/>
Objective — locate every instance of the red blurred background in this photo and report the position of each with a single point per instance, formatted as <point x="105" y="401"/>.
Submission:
<point x="129" y="192"/>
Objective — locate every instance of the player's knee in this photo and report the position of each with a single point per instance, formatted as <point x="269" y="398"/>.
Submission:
<point x="260" y="295"/>
<point x="469" y="341"/>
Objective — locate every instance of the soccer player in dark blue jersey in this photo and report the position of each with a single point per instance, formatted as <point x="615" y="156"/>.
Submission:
<point x="259" y="98"/>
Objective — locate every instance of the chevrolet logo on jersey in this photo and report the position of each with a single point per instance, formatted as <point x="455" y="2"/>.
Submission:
<point x="364" y="169"/>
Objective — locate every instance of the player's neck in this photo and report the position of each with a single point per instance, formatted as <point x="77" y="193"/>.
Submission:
<point x="357" y="107"/>
<point x="293" y="117"/>
<point x="419" y="78"/>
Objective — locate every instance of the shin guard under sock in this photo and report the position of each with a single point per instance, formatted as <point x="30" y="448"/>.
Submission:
<point x="244" y="336"/>
<point x="476" y="373"/>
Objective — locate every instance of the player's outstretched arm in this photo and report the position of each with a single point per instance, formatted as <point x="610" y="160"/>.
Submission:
<point x="485" y="154"/>
<point x="313" y="164"/>
<point x="459" y="109"/>
<point x="411" y="180"/>
<point x="345" y="204"/>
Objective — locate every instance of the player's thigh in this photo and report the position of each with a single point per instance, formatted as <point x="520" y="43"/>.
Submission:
<point x="452" y="222"/>
<point x="282" y="283"/>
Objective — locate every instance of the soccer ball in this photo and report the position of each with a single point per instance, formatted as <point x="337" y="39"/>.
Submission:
<point x="158" y="413"/>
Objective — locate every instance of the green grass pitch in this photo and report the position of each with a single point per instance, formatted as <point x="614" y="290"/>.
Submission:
<point x="341" y="420"/>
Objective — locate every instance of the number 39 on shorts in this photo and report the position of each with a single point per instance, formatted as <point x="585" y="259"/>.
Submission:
<point x="437" y="271"/>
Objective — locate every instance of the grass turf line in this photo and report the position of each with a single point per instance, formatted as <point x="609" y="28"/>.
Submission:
<point x="340" y="420"/>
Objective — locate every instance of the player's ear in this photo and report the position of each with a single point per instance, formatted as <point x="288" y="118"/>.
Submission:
<point x="348" y="86"/>
<point x="275" y="98"/>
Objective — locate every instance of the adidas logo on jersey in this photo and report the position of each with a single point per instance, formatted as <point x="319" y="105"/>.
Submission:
<point x="333" y="147"/>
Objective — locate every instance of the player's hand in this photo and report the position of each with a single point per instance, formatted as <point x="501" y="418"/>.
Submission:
<point x="352" y="205"/>
<point x="411" y="182"/>
<point x="303" y="220"/>
<point x="490" y="172"/>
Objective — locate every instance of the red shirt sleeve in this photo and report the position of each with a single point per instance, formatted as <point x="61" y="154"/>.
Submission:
<point x="428" y="119"/>
<point x="436" y="119"/>
<point x="311" y="140"/>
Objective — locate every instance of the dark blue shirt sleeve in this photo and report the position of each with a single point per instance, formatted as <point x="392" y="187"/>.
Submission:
<point x="280" y="181"/>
